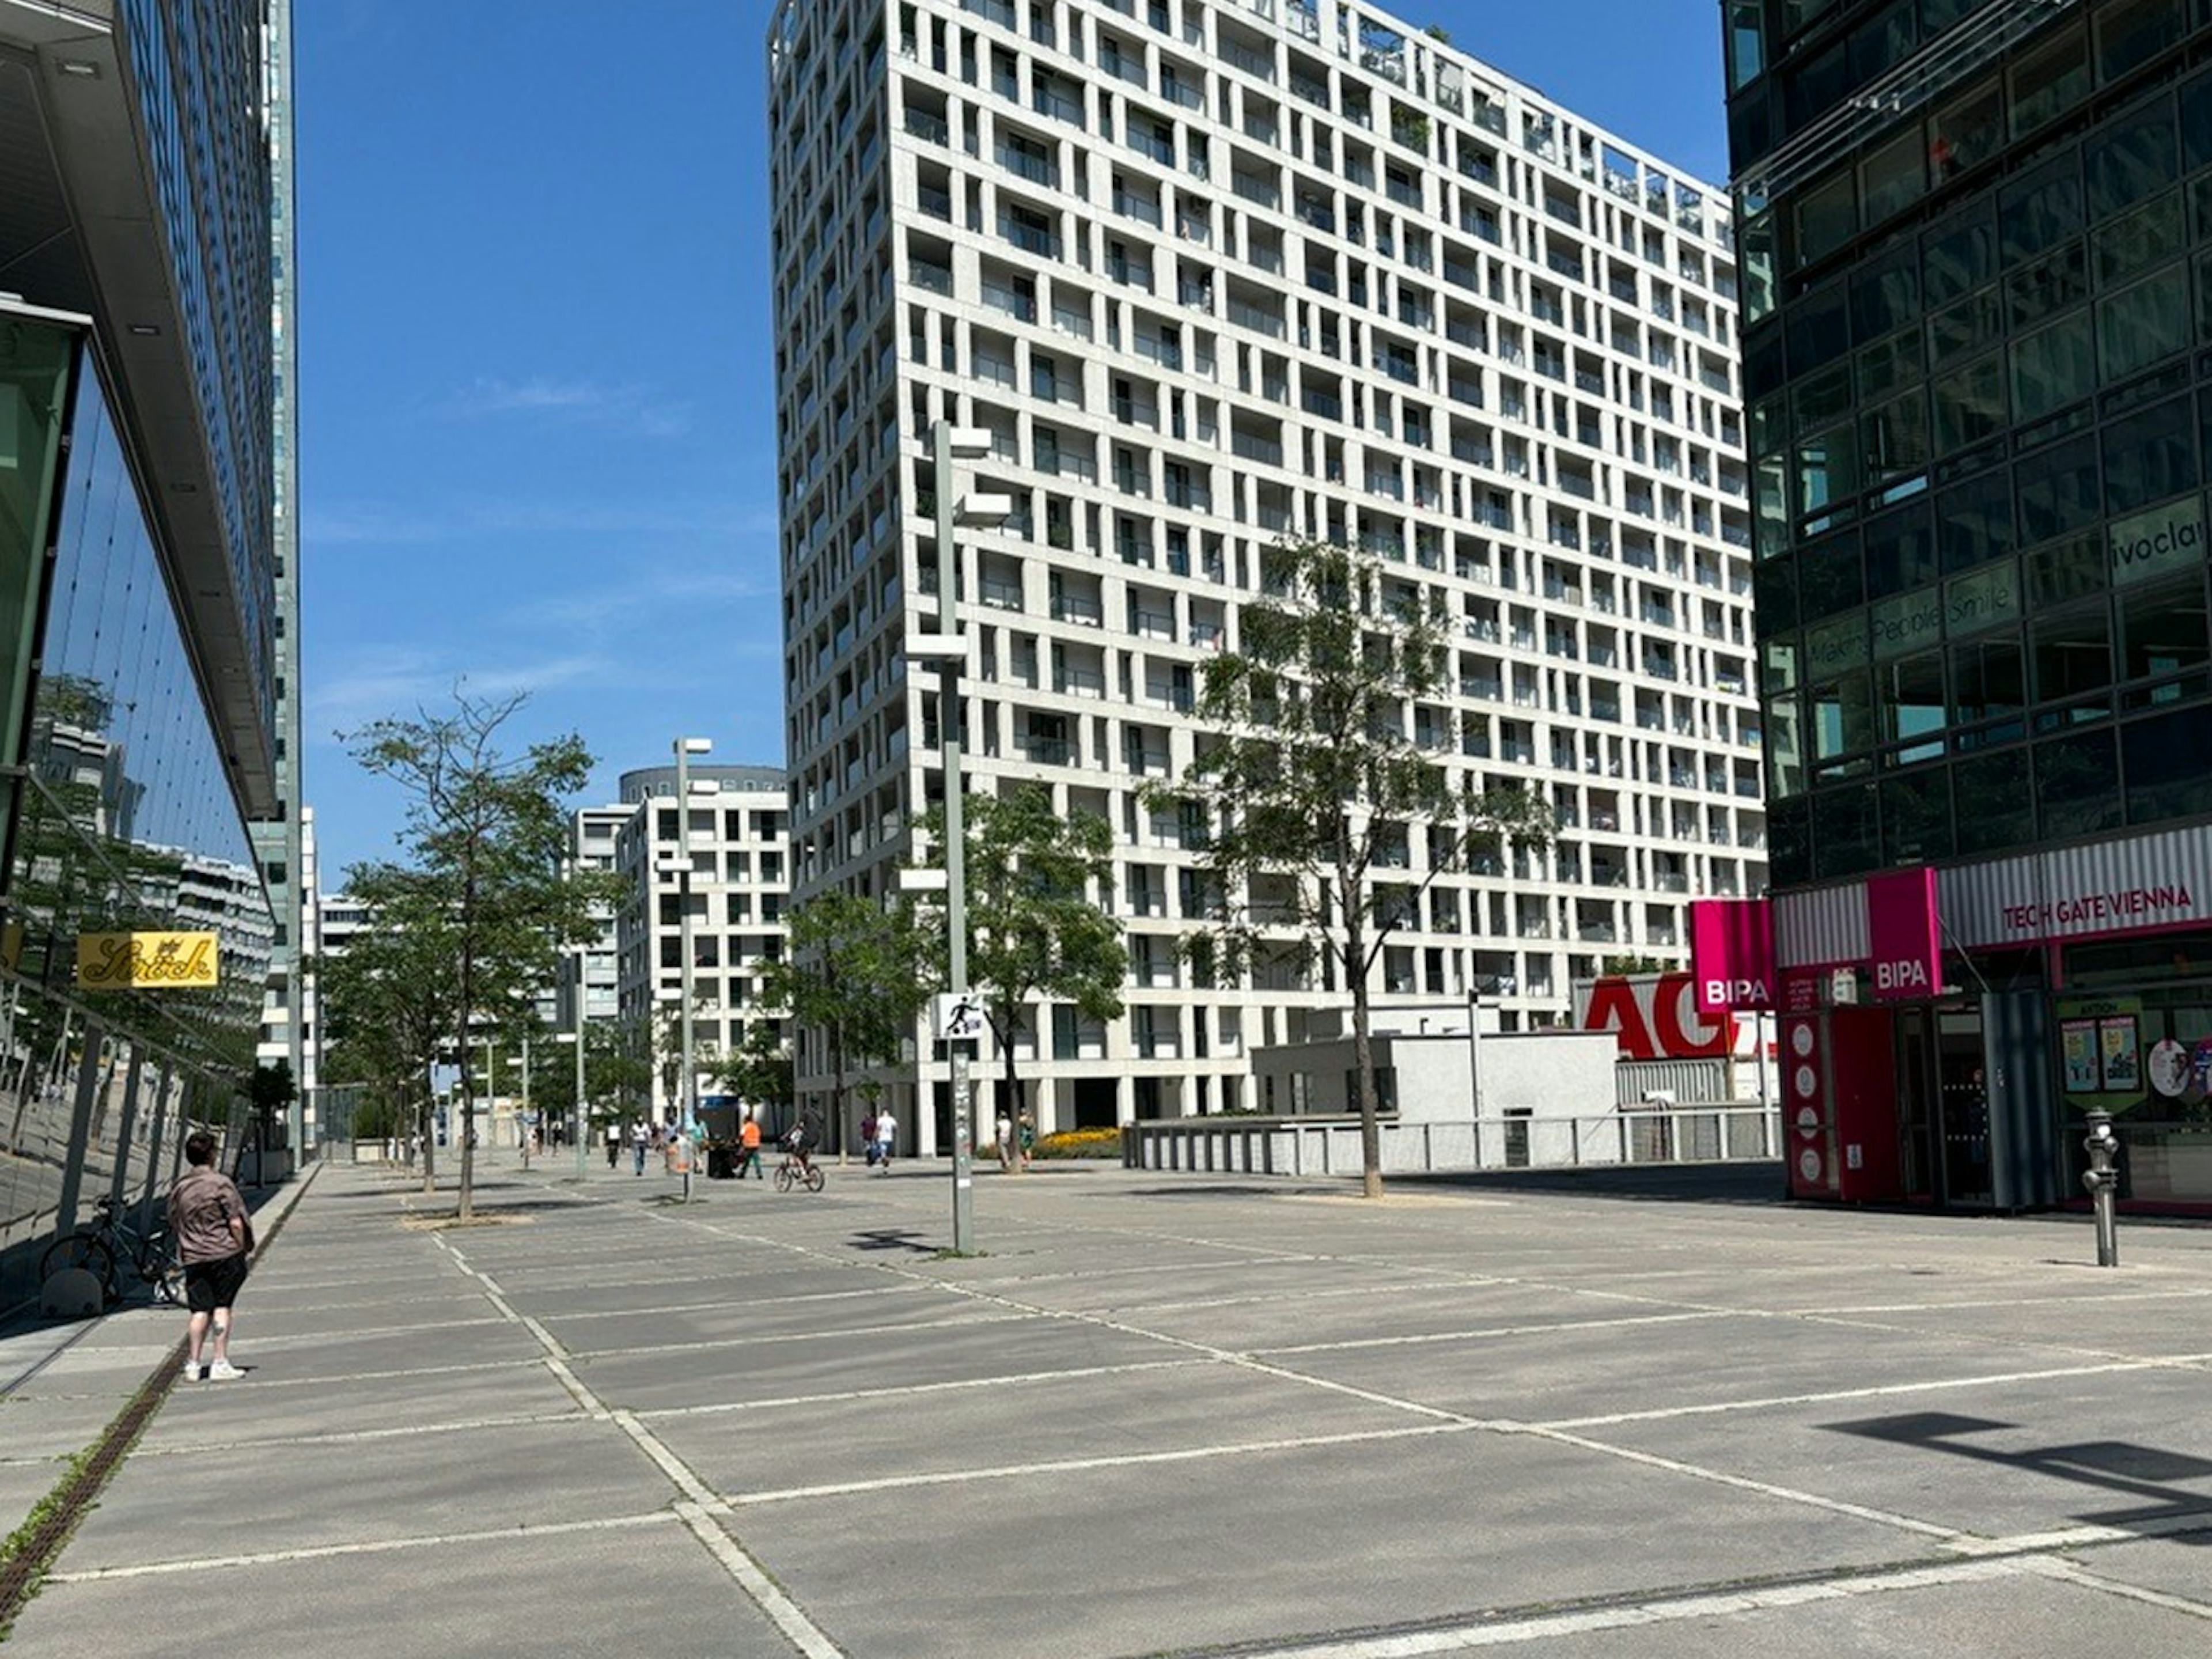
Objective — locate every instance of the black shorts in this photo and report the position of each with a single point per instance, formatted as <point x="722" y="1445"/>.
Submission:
<point x="212" y="1285"/>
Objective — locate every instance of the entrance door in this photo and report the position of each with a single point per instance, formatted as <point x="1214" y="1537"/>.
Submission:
<point x="1963" y="1099"/>
<point x="1919" y="1154"/>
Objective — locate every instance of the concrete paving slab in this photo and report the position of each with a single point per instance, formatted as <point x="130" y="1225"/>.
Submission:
<point x="167" y="1509"/>
<point x="974" y="1348"/>
<point x="1402" y="1311"/>
<point x="1578" y="1370"/>
<point x="1263" y="1547"/>
<point x="337" y="1356"/>
<point x="234" y="1412"/>
<point x="22" y="1484"/>
<point x="1177" y="1407"/>
<point x="2019" y="1614"/>
<point x="2001" y="1459"/>
<point x="34" y="1427"/>
<point x="771" y="1317"/>
<point x="645" y="1592"/>
<point x="2179" y="1564"/>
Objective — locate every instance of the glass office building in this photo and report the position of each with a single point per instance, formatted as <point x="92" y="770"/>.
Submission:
<point x="1976" y="241"/>
<point x="137" y="611"/>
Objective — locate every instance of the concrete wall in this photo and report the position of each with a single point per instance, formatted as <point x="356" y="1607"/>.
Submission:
<point x="1545" y="1074"/>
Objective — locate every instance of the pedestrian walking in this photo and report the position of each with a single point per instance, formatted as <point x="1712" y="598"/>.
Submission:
<point x="1027" y="1135"/>
<point x="886" y="1139"/>
<point x="748" y="1143"/>
<point x="1006" y="1131"/>
<point x="641" y="1138"/>
<point x="207" y="1217"/>
<point x="614" y="1143"/>
<point x="868" y="1137"/>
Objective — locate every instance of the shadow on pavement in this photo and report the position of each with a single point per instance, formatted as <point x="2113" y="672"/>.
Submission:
<point x="1662" y="1183"/>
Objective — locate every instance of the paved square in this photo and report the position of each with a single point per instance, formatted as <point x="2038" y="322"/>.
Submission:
<point x="1160" y="1416"/>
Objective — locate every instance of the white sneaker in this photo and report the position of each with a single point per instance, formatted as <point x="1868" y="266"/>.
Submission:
<point x="191" y="1373"/>
<point x="223" y="1371"/>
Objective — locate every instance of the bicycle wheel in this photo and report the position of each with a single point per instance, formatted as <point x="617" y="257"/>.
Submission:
<point x="158" y="1267"/>
<point x="813" y="1178"/>
<point x="783" y="1177"/>
<point x="84" y="1250"/>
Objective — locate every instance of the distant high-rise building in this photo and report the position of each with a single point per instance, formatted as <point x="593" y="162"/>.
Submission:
<point x="738" y="847"/>
<point x="140" y="667"/>
<point x="1975" y="240"/>
<point x="1209" y="277"/>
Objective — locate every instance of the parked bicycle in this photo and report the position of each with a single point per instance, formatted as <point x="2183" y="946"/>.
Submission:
<point x="796" y="1170"/>
<point x="98" y="1247"/>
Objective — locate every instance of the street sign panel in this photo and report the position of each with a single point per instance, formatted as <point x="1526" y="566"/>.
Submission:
<point x="959" y="1017"/>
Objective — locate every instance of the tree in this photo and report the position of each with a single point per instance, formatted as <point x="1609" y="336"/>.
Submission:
<point x="1036" y="926"/>
<point x="761" y="1070"/>
<point x="615" y="1072"/>
<point x="388" y="1003"/>
<point x="852" y="969"/>
<point x="487" y="832"/>
<point x="1314" y="775"/>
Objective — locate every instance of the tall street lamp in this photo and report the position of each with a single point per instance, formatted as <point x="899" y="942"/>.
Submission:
<point x="948" y="650"/>
<point x="685" y="748"/>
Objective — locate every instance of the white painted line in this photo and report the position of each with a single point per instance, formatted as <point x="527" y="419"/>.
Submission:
<point x="2066" y="1573"/>
<point x="1484" y="1332"/>
<point x="1770" y="1402"/>
<point x="348" y="1436"/>
<point x="899" y="1390"/>
<point x="1079" y="1465"/>
<point x="1552" y="1626"/>
<point x="746" y="1302"/>
<point x="1744" y="1483"/>
<point x="804" y="1634"/>
<point x="367" y="1546"/>
<point x="707" y="1344"/>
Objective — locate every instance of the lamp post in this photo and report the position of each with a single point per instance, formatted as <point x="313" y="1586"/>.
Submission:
<point x="948" y="650"/>
<point x="685" y="748"/>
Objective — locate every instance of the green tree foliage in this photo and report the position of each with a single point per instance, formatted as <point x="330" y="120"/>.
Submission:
<point x="760" y="1071"/>
<point x="617" y="1074"/>
<point x="486" y="834"/>
<point x="390" y="1002"/>
<point x="851" y="970"/>
<point x="1038" y="929"/>
<point x="1312" y="786"/>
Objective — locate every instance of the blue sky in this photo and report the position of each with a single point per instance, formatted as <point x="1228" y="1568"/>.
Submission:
<point x="536" y="369"/>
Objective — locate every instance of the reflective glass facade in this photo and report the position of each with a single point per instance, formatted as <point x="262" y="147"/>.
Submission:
<point x="126" y="821"/>
<point x="1979" y="434"/>
<point x="198" y="69"/>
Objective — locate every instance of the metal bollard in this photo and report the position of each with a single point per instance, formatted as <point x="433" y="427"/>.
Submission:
<point x="2103" y="1181"/>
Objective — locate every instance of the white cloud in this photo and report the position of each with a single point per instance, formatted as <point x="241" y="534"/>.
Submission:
<point x="369" y="682"/>
<point x="624" y="408"/>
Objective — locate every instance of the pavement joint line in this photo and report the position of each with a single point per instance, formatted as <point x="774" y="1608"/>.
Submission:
<point x="750" y="1302"/>
<point x="1891" y="1518"/>
<point x="1079" y="1465"/>
<point x="363" y="1547"/>
<point x="803" y="1632"/>
<point x="350" y="1333"/>
<point x="1714" y="1408"/>
<point x="698" y="1502"/>
<point x="350" y="1437"/>
<point x="2068" y="1572"/>
<point x="907" y="1389"/>
<point x="595" y="1355"/>
<point x="1484" y="1332"/>
<point x="2088" y="1535"/>
<point x="1703" y="1604"/>
<point x="325" y="1382"/>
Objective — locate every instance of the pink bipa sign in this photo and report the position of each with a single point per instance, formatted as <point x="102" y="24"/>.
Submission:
<point x="1732" y="954"/>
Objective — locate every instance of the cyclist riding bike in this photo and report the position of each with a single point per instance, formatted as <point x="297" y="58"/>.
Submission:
<point x="797" y="1145"/>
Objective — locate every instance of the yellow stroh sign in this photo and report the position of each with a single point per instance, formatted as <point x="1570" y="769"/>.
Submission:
<point x="123" y="962"/>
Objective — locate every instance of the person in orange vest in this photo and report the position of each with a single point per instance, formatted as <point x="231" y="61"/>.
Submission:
<point x="749" y="1138"/>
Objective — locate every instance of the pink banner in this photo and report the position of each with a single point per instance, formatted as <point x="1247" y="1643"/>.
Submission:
<point x="1903" y="935"/>
<point x="1732" y="954"/>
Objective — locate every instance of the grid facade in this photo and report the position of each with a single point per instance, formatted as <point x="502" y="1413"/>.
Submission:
<point x="1212" y="276"/>
<point x="739" y="848"/>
